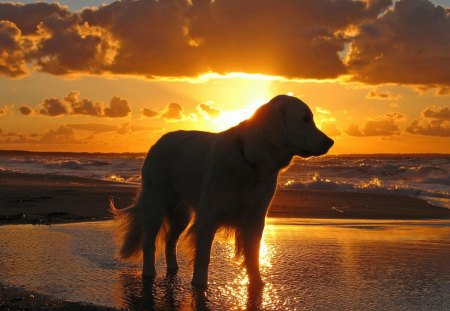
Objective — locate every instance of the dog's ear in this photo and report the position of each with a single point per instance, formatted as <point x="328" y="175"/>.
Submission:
<point x="269" y="121"/>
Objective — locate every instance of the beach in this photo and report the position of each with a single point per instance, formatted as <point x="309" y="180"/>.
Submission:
<point x="50" y="199"/>
<point x="46" y="199"/>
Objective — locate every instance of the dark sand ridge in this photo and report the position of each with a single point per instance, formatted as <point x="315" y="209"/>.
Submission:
<point x="28" y="198"/>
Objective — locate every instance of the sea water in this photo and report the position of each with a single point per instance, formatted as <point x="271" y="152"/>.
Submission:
<point x="422" y="176"/>
<point x="306" y="265"/>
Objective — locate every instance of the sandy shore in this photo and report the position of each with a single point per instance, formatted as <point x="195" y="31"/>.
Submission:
<point x="39" y="199"/>
<point x="45" y="199"/>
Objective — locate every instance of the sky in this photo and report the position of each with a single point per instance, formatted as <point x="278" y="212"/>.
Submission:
<point x="103" y="76"/>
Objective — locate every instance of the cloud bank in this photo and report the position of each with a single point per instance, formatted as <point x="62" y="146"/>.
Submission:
<point x="181" y="38"/>
<point x="73" y="104"/>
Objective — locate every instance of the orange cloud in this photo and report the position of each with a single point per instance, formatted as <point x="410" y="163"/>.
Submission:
<point x="5" y="110"/>
<point x="407" y="45"/>
<point x="385" y="125"/>
<point x="188" y="38"/>
<point x="61" y="135"/>
<point x="441" y="113"/>
<point x="435" y="122"/>
<point x="294" y="39"/>
<point x="12" y="57"/>
<point x="72" y="104"/>
<point x="149" y="113"/>
<point x="209" y="111"/>
<point x="373" y="94"/>
<point x="173" y="112"/>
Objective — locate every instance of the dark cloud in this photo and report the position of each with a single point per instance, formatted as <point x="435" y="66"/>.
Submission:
<point x="25" y="110"/>
<point x="173" y="112"/>
<point x="72" y="104"/>
<point x="385" y="125"/>
<point x="373" y="94"/>
<point x="118" y="107"/>
<point x="28" y="16"/>
<point x="409" y="44"/>
<point x="177" y="38"/>
<point x="209" y="111"/>
<point x="53" y="107"/>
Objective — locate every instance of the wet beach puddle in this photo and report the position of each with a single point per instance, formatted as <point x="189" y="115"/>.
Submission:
<point x="306" y="264"/>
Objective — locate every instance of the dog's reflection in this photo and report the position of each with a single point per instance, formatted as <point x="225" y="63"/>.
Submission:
<point x="136" y="293"/>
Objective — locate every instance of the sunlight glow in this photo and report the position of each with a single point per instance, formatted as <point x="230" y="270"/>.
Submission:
<point x="228" y="119"/>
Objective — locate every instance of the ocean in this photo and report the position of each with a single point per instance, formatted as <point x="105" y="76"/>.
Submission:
<point x="421" y="176"/>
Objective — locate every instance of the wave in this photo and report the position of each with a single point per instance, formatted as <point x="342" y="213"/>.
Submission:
<point x="435" y="196"/>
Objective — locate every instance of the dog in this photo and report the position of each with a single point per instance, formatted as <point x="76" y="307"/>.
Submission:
<point x="206" y="181"/>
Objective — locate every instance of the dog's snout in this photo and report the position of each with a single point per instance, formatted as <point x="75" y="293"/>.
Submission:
<point x="329" y="142"/>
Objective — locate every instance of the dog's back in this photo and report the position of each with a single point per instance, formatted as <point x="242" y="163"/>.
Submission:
<point x="178" y="162"/>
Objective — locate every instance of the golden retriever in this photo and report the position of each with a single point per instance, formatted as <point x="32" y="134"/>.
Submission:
<point x="216" y="180"/>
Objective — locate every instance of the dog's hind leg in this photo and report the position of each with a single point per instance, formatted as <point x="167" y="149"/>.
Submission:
<point x="153" y="212"/>
<point x="178" y="219"/>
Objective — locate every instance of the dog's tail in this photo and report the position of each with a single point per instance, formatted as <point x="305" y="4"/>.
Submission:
<point x="129" y="237"/>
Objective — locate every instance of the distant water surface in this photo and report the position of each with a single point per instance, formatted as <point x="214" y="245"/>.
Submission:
<point x="422" y="176"/>
<point x="307" y="265"/>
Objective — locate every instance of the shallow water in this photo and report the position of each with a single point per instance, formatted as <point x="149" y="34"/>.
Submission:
<point x="307" y="265"/>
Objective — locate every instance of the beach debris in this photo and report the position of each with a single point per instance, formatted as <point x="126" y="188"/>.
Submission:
<point x="334" y="208"/>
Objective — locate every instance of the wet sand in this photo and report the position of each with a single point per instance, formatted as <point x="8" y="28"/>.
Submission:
<point x="39" y="199"/>
<point x="46" y="199"/>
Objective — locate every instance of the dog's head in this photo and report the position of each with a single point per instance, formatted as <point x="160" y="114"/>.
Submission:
<point x="287" y="122"/>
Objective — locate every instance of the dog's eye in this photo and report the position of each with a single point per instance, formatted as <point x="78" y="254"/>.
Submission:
<point x="307" y="119"/>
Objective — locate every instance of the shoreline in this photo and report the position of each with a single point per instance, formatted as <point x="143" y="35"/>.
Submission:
<point x="51" y="199"/>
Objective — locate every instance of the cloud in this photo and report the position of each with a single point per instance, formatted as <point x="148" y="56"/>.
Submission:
<point x="127" y="128"/>
<point x="28" y="16"/>
<point x="6" y="110"/>
<point x="441" y="113"/>
<point x="385" y="125"/>
<point x="407" y="45"/>
<point x="435" y="122"/>
<point x="432" y="128"/>
<point x="118" y="107"/>
<point x="61" y="135"/>
<point x="72" y="104"/>
<point x="173" y="112"/>
<point x="25" y="110"/>
<point x="208" y="111"/>
<point x="149" y="113"/>
<point x="93" y="127"/>
<point x="374" y="94"/>
<point x="12" y="57"/>
<point x="188" y="38"/>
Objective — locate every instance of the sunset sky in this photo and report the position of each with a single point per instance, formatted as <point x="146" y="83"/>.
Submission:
<point x="104" y="76"/>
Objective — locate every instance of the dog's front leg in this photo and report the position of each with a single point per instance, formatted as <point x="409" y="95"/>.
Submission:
<point x="204" y="236"/>
<point x="251" y="236"/>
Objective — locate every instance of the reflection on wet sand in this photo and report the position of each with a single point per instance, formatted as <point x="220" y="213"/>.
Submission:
<point x="306" y="264"/>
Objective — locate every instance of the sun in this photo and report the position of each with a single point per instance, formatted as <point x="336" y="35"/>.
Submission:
<point x="231" y="118"/>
